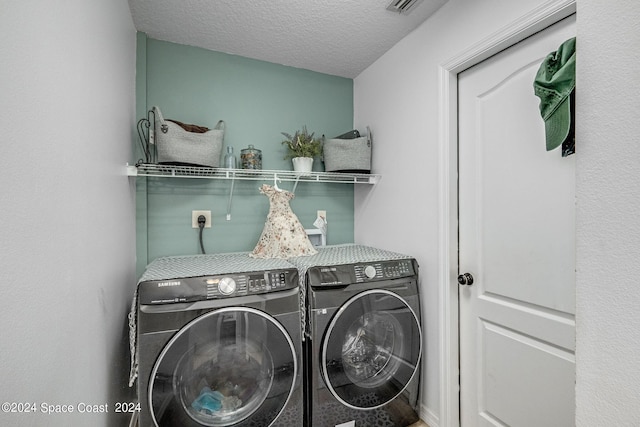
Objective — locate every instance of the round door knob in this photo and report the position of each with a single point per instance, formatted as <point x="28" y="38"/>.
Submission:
<point x="465" y="279"/>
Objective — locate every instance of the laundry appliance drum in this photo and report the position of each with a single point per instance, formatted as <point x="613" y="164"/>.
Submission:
<point x="229" y="367"/>
<point x="367" y="349"/>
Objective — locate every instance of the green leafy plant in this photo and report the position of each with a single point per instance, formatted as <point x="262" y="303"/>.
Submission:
<point x="302" y="144"/>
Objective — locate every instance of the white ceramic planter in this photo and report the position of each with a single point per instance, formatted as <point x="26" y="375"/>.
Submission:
<point x="302" y="164"/>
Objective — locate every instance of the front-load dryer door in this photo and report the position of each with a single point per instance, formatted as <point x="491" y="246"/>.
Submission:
<point x="371" y="349"/>
<point x="234" y="366"/>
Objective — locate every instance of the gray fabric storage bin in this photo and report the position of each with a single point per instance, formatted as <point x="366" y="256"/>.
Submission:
<point x="348" y="155"/>
<point x="175" y="145"/>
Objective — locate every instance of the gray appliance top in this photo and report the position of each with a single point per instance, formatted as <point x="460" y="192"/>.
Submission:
<point x="346" y="254"/>
<point x="173" y="267"/>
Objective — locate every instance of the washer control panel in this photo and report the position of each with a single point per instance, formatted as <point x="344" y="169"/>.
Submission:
<point x="342" y="275"/>
<point x="192" y="289"/>
<point x="383" y="270"/>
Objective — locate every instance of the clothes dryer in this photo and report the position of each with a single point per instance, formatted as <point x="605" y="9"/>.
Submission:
<point x="363" y="341"/>
<point x="219" y="343"/>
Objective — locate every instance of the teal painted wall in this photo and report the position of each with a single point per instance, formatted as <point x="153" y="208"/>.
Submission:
<point x="257" y="100"/>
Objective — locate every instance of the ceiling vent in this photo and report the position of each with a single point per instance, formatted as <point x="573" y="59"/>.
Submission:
<point x="403" y="6"/>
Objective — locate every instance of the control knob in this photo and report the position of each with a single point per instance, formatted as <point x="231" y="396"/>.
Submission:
<point x="370" y="271"/>
<point x="227" y="286"/>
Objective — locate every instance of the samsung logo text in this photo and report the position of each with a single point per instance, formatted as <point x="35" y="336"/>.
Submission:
<point x="167" y="284"/>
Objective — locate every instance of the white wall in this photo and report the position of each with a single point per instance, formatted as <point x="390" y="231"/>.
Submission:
<point x="66" y="206"/>
<point x="608" y="228"/>
<point x="398" y="97"/>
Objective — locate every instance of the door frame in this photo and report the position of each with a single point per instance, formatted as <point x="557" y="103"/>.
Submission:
<point x="537" y="20"/>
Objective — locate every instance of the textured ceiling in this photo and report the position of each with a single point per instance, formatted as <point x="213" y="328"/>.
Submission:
<point x="338" y="37"/>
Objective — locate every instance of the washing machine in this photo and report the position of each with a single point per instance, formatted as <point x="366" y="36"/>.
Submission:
<point x="219" y="342"/>
<point x="363" y="339"/>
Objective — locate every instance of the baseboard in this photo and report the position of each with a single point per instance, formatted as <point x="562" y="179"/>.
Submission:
<point x="429" y="417"/>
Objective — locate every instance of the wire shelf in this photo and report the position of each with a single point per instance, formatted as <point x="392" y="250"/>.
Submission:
<point x="176" y="171"/>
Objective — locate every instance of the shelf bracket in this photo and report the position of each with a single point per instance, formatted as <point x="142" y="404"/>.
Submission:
<point x="295" y="184"/>
<point x="233" y="181"/>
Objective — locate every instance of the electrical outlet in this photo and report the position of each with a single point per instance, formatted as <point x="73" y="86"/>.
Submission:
<point x="196" y="214"/>
<point x="322" y="214"/>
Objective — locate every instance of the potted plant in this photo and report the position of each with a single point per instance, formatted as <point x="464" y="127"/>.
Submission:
<point x="302" y="147"/>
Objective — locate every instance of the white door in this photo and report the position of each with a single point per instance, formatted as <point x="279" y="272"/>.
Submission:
<point x="517" y="240"/>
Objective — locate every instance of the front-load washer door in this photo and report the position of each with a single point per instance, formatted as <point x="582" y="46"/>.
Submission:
<point x="234" y="366"/>
<point x="371" y="349"/>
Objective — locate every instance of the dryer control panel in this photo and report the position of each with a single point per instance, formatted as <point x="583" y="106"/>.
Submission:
<point x="191" y="289"/>
<point x="342" y="275"/>
<point x="383" y="270"/>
